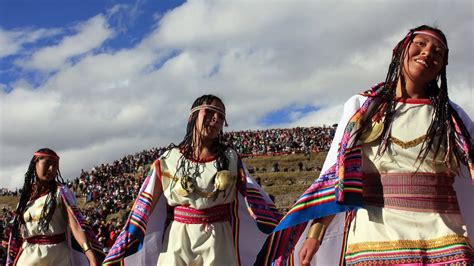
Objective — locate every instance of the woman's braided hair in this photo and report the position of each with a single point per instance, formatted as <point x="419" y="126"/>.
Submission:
<point x="187" y="169"/>
<point x="442" y="128"/>
<point x="27" y="195"/>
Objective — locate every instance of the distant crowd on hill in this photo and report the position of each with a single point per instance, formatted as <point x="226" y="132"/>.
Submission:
<point x="5" y="220"/>
<point x="287" y="140"/>
<point x="6" y="192"/>
<point x="113" y="186"/>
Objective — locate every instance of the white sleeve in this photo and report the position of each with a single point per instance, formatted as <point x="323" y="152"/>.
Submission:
<point x="350" y="107"/>
<point x="463" y="183"/>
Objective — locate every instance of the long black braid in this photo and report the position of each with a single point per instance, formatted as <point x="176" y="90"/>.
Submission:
<point x="27" y="194"/>
<point x="441" y="130"/>
<point x="187" y="169"/>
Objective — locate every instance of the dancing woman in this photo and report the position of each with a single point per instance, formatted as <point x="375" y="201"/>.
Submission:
<point x="46" y="217"/>
<point x="198" y="205"/>
<point x="386" y="195"/>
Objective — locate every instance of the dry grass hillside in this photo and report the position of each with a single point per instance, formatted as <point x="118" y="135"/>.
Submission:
<point x="291" y="180"/>
<point x="296" y="172"/>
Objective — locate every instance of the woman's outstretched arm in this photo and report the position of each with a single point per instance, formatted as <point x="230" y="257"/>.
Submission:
<point x="81" y="238"/>
<point x="313" y="239"/>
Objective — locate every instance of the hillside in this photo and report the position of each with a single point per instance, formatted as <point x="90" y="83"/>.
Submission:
<point x="287" y="184"/>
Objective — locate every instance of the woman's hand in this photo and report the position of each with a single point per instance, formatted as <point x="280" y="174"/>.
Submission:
<point x="315" y="237"/>
<point x="81" y="237"/>
<point x="307" y="251"/>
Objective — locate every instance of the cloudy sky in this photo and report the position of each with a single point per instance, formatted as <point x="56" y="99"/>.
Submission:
<point x="96" y="80"/>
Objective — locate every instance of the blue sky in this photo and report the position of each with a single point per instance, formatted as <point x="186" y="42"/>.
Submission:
<point x="96" y="80"/>
<point x="132" y="21"/>
<point x="53" y="13"/>
<point x="286" y="114"/>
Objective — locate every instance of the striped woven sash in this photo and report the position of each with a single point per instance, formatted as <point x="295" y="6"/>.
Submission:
<point x="423" y="192"/>
<point x="188" y="215"/>
<point x="46" y="239"/>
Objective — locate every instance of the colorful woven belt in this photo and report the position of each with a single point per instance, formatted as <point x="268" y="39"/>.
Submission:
<point x="423" y="192"/>
<point x="46" y="239"/>
<point x="188" y="215"/>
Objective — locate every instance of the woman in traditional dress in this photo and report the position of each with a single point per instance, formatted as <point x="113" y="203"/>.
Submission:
<point x="198" y="205"/>
<point x="44" y="218"/>
<point x="386" y="191"/>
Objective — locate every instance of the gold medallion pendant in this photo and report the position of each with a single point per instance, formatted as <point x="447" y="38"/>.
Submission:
<point x="373" y="133"/>
<point x="224" y="180"/>
<point x="178" y="188"/>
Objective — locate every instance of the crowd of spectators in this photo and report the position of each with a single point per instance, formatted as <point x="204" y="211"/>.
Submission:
<point x="6" y="192"/>
<point x="5" y="219"/>
<point x="113" y="186"/>
<point x="277" y="141"/>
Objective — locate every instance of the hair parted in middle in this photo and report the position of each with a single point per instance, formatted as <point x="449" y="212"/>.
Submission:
<point x="441" y="130"/>
<point x="28" y="196"/>
<point x="187" y="167"/>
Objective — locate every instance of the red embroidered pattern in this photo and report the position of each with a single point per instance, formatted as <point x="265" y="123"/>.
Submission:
<point x="188" y="215"/>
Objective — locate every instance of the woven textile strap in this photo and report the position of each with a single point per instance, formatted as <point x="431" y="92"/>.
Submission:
<point x="46" y="239"/>
<point x="188" y="215"/>
<point x="424" y="192"/>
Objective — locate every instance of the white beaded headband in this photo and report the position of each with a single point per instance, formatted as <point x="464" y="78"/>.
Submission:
<point x="210" y="107"/>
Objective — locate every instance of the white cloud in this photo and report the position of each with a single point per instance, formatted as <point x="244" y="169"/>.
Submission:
<point x="90" y="35"/>
<point x="8" y="44"/>
<point x="258" y="56"/>
<point x="12" y="41"/>
<point x="124" y="15"/>
<point x="463" y="95"/>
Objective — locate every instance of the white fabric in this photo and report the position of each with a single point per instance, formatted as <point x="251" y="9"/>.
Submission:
<point x="377" y="224"/>
<point x="330" y="251"/>
<point x="463" y="184"/>
<point x="44" y="254"/>
<point x="374" y="224"/>
<point x="77" y="257"/>
<point x="194" y="244"/>
<point x="205" y="180"/>
<point x="410" y="121"/>
<point x="250" y="237"/>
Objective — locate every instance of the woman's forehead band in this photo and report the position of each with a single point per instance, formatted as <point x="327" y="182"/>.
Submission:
<point x="209" y="107"/>
<point x="42" y="154"/>
<point x="433" y="35"/>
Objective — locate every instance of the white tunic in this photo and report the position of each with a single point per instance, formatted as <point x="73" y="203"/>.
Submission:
<point x="197" y="244"/>
<point x="44" y="254"/>
<point x="401" y="234"/>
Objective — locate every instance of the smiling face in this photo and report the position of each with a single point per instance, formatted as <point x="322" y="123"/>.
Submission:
<point x="210" y="122"/>
<point x="425" y="57"/>
<point x="46" y="168"/>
